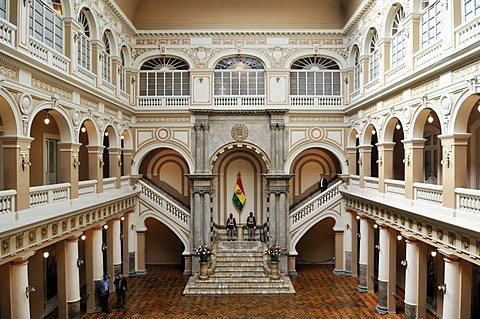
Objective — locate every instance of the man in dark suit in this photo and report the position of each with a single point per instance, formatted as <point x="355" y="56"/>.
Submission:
<point x="323" y="184"/>
<point x="120" y="289"/>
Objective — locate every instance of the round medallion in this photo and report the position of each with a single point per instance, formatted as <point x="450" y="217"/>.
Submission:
<point x="316" y="133"/>
<point x="162" y="134"/>
<point x="239" y="132"/>
<point x="25" y="102"/>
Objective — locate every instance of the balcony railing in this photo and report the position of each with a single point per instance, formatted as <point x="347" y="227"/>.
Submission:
<point x="468" y="33"/>
<point x="163" y="101"/>
<point x="49" y="194"/>
<point x="86" y="188"/>
<point x="48" y="56"/>
<point x="7" y="201"/>
<point x="109" y="184"/>
<point x="428" y="55"/>
<point x="428" y="193"/>
<point x="395" y="187"/>
<point x="316" y="100"/>
<point x="371" y="183"/>
<point x="468" y="200"/>
<point x="240" y="101"/>
<point x="7" y="32"/>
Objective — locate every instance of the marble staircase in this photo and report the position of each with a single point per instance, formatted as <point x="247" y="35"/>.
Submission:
<point x="238" y="269"/>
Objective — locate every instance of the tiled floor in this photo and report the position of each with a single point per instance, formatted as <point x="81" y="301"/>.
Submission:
<point x="320" y="294"/>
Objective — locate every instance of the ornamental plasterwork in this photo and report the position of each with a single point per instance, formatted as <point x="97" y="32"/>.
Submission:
<point x="331" y="119"/>
<point x="230" y="41"/>
<point x="88" y="103"/>
<point x="110" y="111"/>
<point x="340" y="51"/>
<point x="424" y="88"/>
<point x="239" y="132"/>
<point x="393" y="101"/>
<point x="149" y="119"/>
<point x="467" y="72"/>
<point x="44" y="86"/>
<point x="311" y="41"/>
<point x="7" y="72"/>
<point x="168" y="41"/>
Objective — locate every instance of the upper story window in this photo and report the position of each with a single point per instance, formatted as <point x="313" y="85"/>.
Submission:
<point x="3" y="9"/>
<point x="431" y="22"/>
<point x="239" y="76"/>
<point x="106" y="59"/>
<point x="374" y="61"/>
<point x="398" y="38"/>
<point x="46" y="23"/>
<point x="164" y="76"/>
<point x="315" y="76"/>
<point x="356" y="70"/>
<point x="471" y="9"/>
<point x="121" y="71"/>
<point x="84" y="45"/>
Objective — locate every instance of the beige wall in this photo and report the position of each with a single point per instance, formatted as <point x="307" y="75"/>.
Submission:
<point x="162" y="246"/>
<point x="318" y="244"/>
<point x="246" y="14"/>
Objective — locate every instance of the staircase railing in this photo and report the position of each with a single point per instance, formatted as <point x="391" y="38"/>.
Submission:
<point x="315" y="205"/>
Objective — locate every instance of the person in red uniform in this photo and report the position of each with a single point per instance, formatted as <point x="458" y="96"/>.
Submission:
<point x="251" y="226"/>
<point x="231" y="226"/>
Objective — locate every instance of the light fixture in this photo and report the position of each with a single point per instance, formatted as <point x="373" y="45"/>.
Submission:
<point x="359" y="235"/>
<point x="28" y="290"/>
<point x="122" y="218"/>
<point x="122" y="137"/>
<point x="46" y="254"/>
<point x="443" y="287"/>
<point x="399" y="237"/>
<point x="374" y="132"/>
<point x="430" y="118"/>
<point x="375" y="226"/>
<point x="133" y="226"/>
<point x="83" y="129"/>
<point x="398" y="126"/>
<point x="83" y="237"/>
<point x="47" y="119"/>
<point x="25" y="163"/>
<point x="433" y="253"/>
<point x="79" y="262"/>
<point x="377" y="246"/>
<point x="358" y="217"/>
<point x="357" y="135"/>
<point x="106" y="133"/>
<point x="105" y="226"/>
<point x="104" y="247"/>
<point x="404" y="263"/>
<point x="347" y="226"/>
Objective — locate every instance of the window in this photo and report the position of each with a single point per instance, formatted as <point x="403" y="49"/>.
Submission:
<point x="164" y="76"/>
<point x="3" y="9"/>
<point x="106" y="59"/>
<point x="239" y="76"/>
<point x="46" y="23"/>
<point x="356" y="70"/>
<point x="121" y="72"/>
<point x="374" y="56"/>
<point x="431" y="22"/>
<point x="471" y="9"/>
<point x="398" y="38"/>
<point x="315" y="76"/>
<point x="84" y="45"/>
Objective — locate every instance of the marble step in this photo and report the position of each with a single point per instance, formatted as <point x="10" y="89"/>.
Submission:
<point x="239" y="264"/>
<point x="244" y="274"/>
<point x="239" y="285"/>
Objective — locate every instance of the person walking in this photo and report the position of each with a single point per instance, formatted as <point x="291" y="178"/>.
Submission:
<point x="251" y="226"/>
<point x="323" y="183"/>
<point x="121" y="289"/>
<point x="231" y="227"/>
<point x="103" y="293"/>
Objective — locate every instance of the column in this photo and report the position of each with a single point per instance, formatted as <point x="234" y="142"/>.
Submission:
<point x="465" y="293"/>
<point x="115" y="165"/>
<point x="95" y="165"/>
<point x="413" y="164"/>
<point x="386" y="270"/>
<point x="451" y="287"/>
<point x="127" y="161"/>
<point x="339" y="264"/>
<point x="20" y="289"/>
<point x="280" y="146"/>
<point x="141" y="251"/>
<point x="366" y="262"/>
<point x="16" y="168"/>
<point x="454" y="161"/>
<point x="351" y="160"/>
<point x="72" y="277"/>
<point x="385" y="163"/>
<point x="207" y="218"/>
<point x="93" y="265"/>
<point x="199" y="138"/>
<point x="128" y="268"/>
<point x="348" y="240"/>
<point x="114" y="245"/>
<point x="411" y="274"/>
<point x="68" y="166"/>
<point x="197" y="213"/>
<point x="365" y="163"/>
<point x="273" y="145"/>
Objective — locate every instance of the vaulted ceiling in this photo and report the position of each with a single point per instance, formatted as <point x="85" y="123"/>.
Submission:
<point x="238" y="15"/>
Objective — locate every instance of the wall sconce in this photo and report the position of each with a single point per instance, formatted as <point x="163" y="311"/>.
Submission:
<point x="119" y="161"/>
<point x="446" y="160"/>
<point x="201" y="80"/>
<point x="278" y="79"/>
<point x="359" y="235"/>
<point x="83" y="237"/>
<point x="100" y="161"/>
<point x="104" y="247"/>
<point x="380" y="160"/>
<point x="25" y="163"/>
<point x="404" y="263"/>
<point x="46" y="254"/>
<point x="47" y="119"/>
<point x="133" y="226"/>
<point x="377" y="246"/>
<point x="28" y="290"/>
<point x="407" y="159"/>
<point x="346" y="80"/>
<point x="132" y="162"/>
<point x="443" y="287"/>
<point x="79" y="262"/>
<point x="133" y="80"/>
<point x="346" y="161"/>
<point x="347" y="226"/>
<point x="360" y="161"/>
<point x="76" y="162"/>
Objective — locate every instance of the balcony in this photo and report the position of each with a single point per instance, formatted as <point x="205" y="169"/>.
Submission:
<point x="7" y="33"/>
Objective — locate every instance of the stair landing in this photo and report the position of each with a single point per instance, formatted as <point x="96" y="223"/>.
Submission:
<point x="239" y="271"/>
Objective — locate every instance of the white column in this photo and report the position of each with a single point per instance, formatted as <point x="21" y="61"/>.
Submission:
<point x="72" y="275"/>
<point x="411" y="277"/>
<point x="383" y="269"/>
<point x="97" y="254"/>
<point x="451" y="302"/>
<point x="363" y="260"/>
<point x="117" y="247"/>
<point x="347" y="242"/>
<point x="206" y="218"/>
<point x="20" y="301"/>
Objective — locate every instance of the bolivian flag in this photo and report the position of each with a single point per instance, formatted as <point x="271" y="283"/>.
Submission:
<point x="239" y="194"/>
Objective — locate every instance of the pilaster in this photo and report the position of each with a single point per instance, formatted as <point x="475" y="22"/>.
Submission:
<point x="413" y="164"/>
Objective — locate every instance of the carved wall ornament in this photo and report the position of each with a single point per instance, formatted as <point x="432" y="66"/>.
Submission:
<point x="429" y="230"/>
<point x="54" y="229"/>
<point x="25" y="102"/>
<point x="44" y="232"/>
<point x="239" y="132"/>
<point x="5" y="245"/>
<point x="31" y="236"/>
<point x="440" y="234"/>
<point x="465" y="242"/>
<point x="19" y="240"/>
<point x="452" y="238"/>
<point x="419" y="226"/>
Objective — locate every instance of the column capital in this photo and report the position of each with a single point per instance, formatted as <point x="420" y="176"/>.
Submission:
<point x="414" y="142"/>
<point x="386" y="145"/>
<point x="409" y="238"/>
<point x="448" y="256"/>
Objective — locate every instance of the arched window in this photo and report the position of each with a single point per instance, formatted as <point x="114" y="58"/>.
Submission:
<point x="471" y="9"/>
<point x="239" y="76"/>
<point x="106" y="59"/>
<point x="374" y="56"/>
<point x="3" y="9"/>
<point x="357" y="70"/>
<point x="84" y="45"/>
<point x="121" y="71"/>
<point x="46" y="23"/>
<point x="431" y="22"/>
<point x="315" y="76"/>
<point x="164" y="76"/>
<point x="398" y="38"/>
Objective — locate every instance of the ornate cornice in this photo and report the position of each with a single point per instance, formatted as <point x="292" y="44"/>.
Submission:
<point x="239" y="34"/>
<point x="357" y="17"/>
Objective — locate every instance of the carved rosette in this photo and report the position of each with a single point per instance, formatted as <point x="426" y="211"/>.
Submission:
<point x="239" y="132"/>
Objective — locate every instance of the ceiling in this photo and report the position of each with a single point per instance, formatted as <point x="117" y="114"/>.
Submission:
<point x="238" y="15"/>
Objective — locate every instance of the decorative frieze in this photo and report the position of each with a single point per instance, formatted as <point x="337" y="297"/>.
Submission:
<point x="153" y="119"/>
<point x="467" y="72"/>
<point x="425" y="88"/>
<point x="51" y="89"/>
<point x="324" y="119"/>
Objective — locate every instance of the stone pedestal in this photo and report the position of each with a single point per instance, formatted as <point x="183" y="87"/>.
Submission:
<point x="203" y="270"/>
<point x="274" y="272"/>
<point x="240" y="231"/>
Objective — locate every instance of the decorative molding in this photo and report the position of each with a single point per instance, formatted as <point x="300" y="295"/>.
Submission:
<point x="89" y="103"/>
<point x="426" y="87"/>
<point x="331" y="119"/>
<point x="397" y="99"/>
<point x="44" y="86"/>
<point x="150" y="119"/>
<point x="467" y="72"/>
